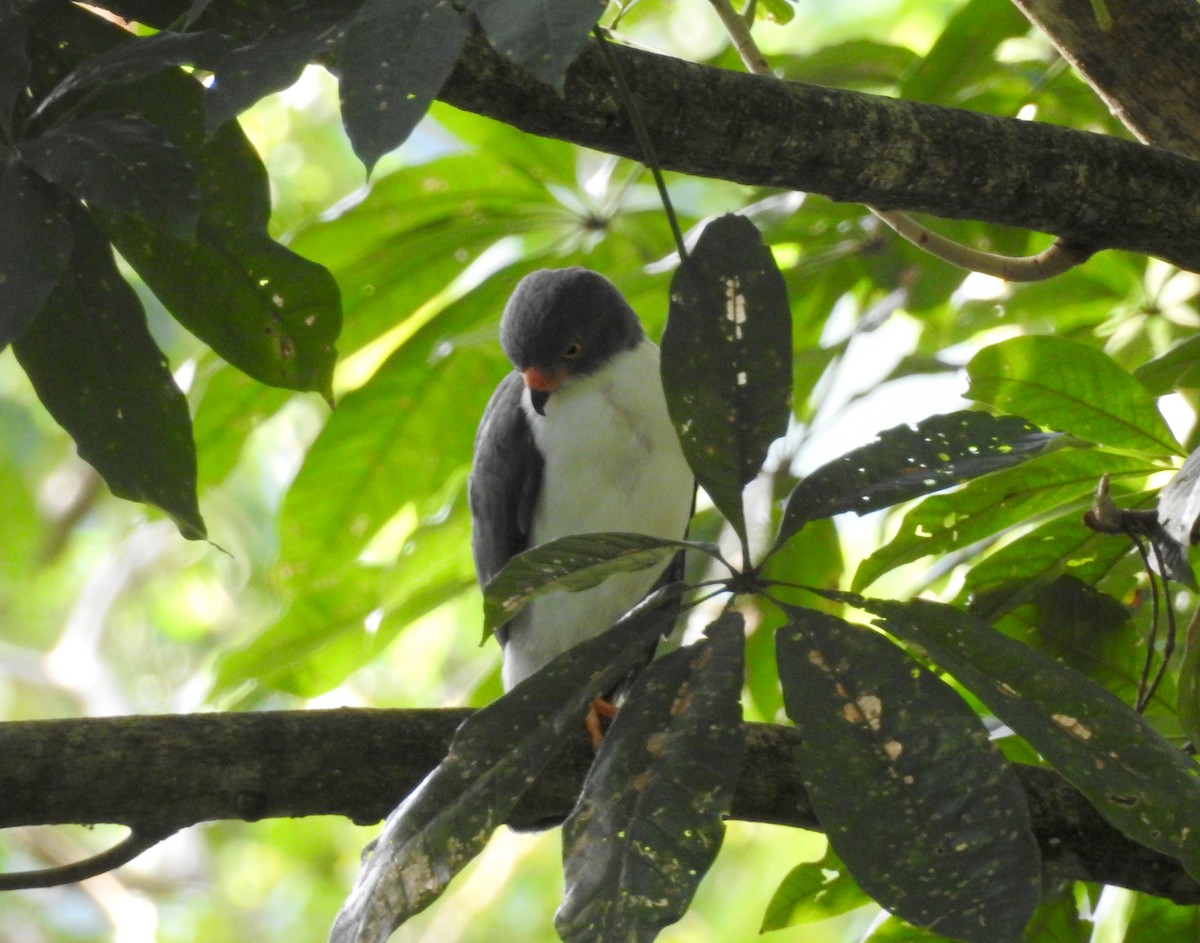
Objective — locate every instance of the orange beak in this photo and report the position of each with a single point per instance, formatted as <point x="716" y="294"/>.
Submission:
<point x="541" y="385"/>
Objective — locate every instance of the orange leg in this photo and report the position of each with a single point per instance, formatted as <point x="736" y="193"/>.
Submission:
<point x="595" y="725"/>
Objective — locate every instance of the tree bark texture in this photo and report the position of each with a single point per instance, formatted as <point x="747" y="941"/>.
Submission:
<point x="1145" y="64"/>
<point x="161" y="773"/>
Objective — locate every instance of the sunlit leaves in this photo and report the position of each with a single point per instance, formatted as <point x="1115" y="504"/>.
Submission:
<point x="813" y="891"/>
<point x="650" y="819"/>
<point x="916" y="801"/>
<point x="725" y="365"/>
<point x="1070" y="387"/>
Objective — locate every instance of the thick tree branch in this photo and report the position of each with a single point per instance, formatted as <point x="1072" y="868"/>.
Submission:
<point x="1090" y="189"/>
<point x="160" y="773"/>
<point x="1143" y="65"/>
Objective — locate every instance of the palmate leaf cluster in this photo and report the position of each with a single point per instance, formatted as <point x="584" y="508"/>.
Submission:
<point x="1044" y="615"/>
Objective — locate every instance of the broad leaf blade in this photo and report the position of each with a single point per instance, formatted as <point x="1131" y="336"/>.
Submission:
<point x="14" y="63"/>
<point x="1178" y="368"/>
<point x="726" y="364"/>
<point x="395" y="57"/>
<point x="1134" y="778"/>
<point x="813" y="891"/>
<point x="943" y="523"/>
<point x="650" y="820"/>
<point x="121" y="163"/>
<point x="543" y="36"/>
<point x="1065" y="385"/>
<point x="571" y="564"/>
<point x="906" y="462"/>
<point x="98" y="372"/>
<point x="914" y="798"/>
<point x="35" y="246"/>
<point x="495" y="755"/>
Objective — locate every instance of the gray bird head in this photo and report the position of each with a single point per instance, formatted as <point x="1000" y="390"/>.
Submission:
<point x="561" y="323"/>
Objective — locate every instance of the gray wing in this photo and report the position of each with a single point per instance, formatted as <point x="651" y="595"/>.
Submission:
<point x="506" y="477"/>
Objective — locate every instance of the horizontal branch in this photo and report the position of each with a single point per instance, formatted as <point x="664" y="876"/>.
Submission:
<point x="1093" y="190"/>
<point x="161" y="773"/>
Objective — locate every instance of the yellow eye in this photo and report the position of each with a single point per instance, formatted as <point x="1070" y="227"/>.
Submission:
<point x="573" y="352"/>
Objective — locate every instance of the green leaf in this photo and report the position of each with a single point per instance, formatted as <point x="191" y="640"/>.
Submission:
<point x="775" y="11"/>
<point x="923" y="809"/>
<point x="963" y="51"/>
<point x="136" y="58"/>
<point x="571" y="564"/>
<point x="943" y="523"/>
<point x="852" y="64"/>
<point x="1134" y="777"/>
<point x="35" y="246"/>
<point x="274" y="59"/>
<point x="121" y="163"/>
<point x="1177" y="369"/>
<point x="1188" y="698"/>
<point x="813" y="891"/>
<point x="650" y="819"/>
<point x="1065" y="385"/>
<point x="496" y="754"/>
<point x="14" y="63"/>
<point x="543" y="36"/>
<point x="906" y="462"/>
<point x="726" y="364"/>
<point x="99" y="374"/>
<point x="395" y="57"/>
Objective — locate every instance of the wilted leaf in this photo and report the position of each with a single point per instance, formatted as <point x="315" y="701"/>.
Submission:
<point x="651" y="816"/>
<point x="35" y="246"/>
<point x="570" y="564"/>
<point x="914" y="798"/>
<point x="543" y="36"/>
<point x="394" y="59"/>
<point x="495" y="756"/>
<point x="726" y="359"/>
<point x="908" y="461"/>
<point x="121" y="163"/>
<point x="1068" y="386"/>
<point x="99" y="374"/>
<point x="1134" y="777"/>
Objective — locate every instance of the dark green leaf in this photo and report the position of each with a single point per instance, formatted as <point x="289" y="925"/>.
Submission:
<point x="543" y="36"/>
<point x="963" y="51"/>
<point x="650" y="819"/>
<point x="395" y="57"/>
<point x="570" y="564"/>
<point x="138" y="58"/>
<point x="912" y="795"/>
<point x="1066" y="385"/>
<point x="495" y="756"/>
<point x="909" y="461"/>
<point x="14" y="63"/>
<point x="121" y="163"/>
<point x="1177" y="369"/>
<point x="943" y="523"/>
<point x="274" y="59"/>
<point x="813" y="891"/>
<point x="726" y="363"/>
<point x="1134" y="778"/>
<point x="1188" y="699"/>
<point x="35" y="246"/>
<point x="99" y="374"/>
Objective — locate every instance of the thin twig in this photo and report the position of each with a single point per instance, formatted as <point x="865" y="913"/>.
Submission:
<point x="1060" y="256"/>
<point x="121" y="853"/>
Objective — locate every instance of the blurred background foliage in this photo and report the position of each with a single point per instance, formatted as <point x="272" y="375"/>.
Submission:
<point x="339" y="572"/>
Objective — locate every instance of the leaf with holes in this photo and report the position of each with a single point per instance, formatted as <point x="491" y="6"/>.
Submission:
<point x="1136" y="779"/>
<point x="650" y="820"/>
<point x="98" y="372"/>
<point x="495" y="756"/>
<point x="915" y="799"/>
<point x="1065" y="385"/>
<point x="395" y="57"/>
<point x="571" y="564"/>
<point x="906" y="462"/>
<point x="726" y="359"/>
